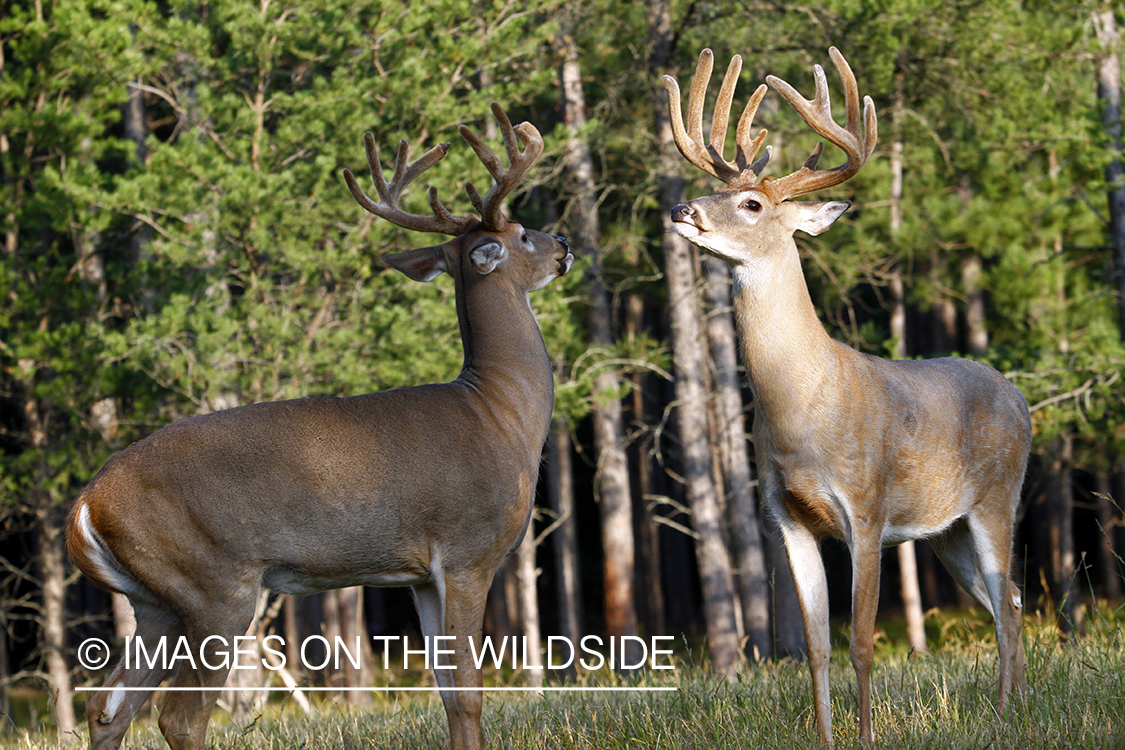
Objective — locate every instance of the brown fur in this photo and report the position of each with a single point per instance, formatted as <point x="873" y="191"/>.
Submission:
<point x="430" y="486"/>
<point x="867" y="450"/>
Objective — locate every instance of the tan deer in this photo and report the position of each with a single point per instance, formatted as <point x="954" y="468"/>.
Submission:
<point x="429" y="487"/>
<point x="867" y="450"/>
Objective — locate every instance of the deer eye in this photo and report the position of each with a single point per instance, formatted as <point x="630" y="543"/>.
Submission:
<point x="524" y="238"/>
<point x="752" y="205"/>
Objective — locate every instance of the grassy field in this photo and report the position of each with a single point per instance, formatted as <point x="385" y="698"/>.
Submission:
<point x="941" y="699"/>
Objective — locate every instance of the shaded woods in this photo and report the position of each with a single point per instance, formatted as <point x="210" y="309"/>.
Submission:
<point x="177" y="239"/>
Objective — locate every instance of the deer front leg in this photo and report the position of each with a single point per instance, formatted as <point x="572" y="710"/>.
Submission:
<point x="454" y="607"/>
<point x="812" y="592"/>
<point x="865" y="551"/>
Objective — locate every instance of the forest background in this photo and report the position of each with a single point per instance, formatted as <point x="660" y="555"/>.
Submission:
<point x="177" y="238"/>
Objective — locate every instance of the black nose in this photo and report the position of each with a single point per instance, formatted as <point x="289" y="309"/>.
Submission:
<point x="562" y="241"/>
<point x="682" y="211"/>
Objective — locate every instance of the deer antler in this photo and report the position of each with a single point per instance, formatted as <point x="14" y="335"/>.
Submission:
<point x="506" y="179"/>
<point x="442" y="222"/>
<point x="856" y="145"/>
<point x="741" y="173"/>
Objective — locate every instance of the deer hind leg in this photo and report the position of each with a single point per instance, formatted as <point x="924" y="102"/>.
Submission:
<point x="992" y="537"/>
<point x="961" y="549"/>
<point x="430" y="601"/>
<point x="812" y="592"/>
<point x="866" y="551"/>
<point x="110" y="711"/>
<point x="211" y="630"/>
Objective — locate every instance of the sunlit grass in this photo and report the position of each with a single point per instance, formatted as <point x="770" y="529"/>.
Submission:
<point x="941" y="699"/>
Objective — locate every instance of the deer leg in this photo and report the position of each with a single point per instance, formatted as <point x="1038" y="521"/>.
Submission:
<point x="954" y="547"/>
<point x="812" y="592"/>
<point x="865" y="551"/>
<point x="210" y="632"/>
<point x="992" y="538"/>
<point x="465" y="613"/>
<point x="110" y="711"/>
<point x="464" y="617"/>
<point x="429" y="599"/>
<point x="959" y="549"/>
<point x="453" y="606"/>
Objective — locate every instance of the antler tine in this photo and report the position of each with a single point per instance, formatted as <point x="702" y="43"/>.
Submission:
<point x="747" y="147"/>
<point x="442" y="222"/>
<point x="689" y="140"/>
<point x="857" y="145"/>
<point x="721" y="116"/>
<point x="505" y="180"/>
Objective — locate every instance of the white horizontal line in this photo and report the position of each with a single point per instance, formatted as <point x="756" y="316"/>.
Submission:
<point x="384" y="689"/>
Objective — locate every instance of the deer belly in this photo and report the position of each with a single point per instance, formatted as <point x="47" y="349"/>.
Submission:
<point x="286" y="580"/>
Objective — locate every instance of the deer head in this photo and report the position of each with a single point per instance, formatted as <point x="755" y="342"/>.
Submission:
<point x="753" y="212"/>
<point x="493" y="243"/>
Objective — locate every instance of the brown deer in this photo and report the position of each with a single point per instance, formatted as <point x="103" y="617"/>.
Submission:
<point x="867" y="450"/>
<point x="429" y="487"/>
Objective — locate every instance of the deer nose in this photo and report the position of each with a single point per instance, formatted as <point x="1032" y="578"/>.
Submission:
<point x="682" y="212"/>
<point x="562" y="241"/>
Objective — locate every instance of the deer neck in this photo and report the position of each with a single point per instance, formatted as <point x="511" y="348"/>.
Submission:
<point x="790" y="359"/>
<point x="506" y="361"/>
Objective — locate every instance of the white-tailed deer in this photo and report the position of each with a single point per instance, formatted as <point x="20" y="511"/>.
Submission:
<point x="867" y="450"/>
<point x="429" y="487"/>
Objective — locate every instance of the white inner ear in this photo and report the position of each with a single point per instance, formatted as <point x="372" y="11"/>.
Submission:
<point x="816" y="217"/>
<point x="486" y="257"/>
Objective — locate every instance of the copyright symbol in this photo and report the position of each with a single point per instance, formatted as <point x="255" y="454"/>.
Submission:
<point x="93" y="654"/>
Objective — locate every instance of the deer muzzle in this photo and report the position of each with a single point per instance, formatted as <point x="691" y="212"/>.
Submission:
<point x="567" y="259"/>
<point x="684" y="221"/>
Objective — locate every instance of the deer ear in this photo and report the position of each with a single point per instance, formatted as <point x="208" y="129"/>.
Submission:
<point x="816" y="217"/>
<point x="423" y="264"/>
<point x="486" y="257"/>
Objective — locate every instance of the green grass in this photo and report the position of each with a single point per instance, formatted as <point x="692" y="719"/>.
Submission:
<point x="942" y="699"/>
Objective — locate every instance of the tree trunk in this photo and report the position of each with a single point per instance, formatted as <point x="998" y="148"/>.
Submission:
<point x="976" y="330"/>
<point x="746" y="531"/>
<point x="1117" y="534"/>
<point x="689" y="360"/>
<point x="52" y="567"/>
<point x="331" y="630"/>
<point x="1109" y="92"/>
<point x="1109" y="517"/>
<point x="1058" y="516"/>
<point x="292" y="633"/>
<point x="353" y="627"/>
<point x="907" y="559"/>
<point x="788" y="625"/>
<point x="611" y="480"/>
<point x="647" y="480"/>
<point x="560" y="486"/>
<point x="911" y="596"/>
<point x="529" y="608"/>
<point x="5" y="665"/>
